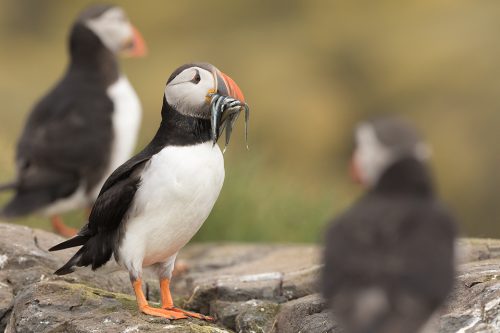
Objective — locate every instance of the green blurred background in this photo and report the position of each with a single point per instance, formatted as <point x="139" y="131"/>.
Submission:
<point x="310" y="70"/>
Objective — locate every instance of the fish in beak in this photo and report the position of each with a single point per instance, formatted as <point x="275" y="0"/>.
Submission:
<point x="226" y="103"/>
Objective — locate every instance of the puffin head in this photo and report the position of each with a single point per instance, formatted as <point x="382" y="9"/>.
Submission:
<point x="382" y="142"/>
<point x="190" y="88"/>
<point x="112" y="26"/>
<point x="200" y="90"/>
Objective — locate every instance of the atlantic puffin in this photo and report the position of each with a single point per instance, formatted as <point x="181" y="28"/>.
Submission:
<point x="85" y="127"/>
<point x="153" y="204"/>
<point x="389" y="259"/>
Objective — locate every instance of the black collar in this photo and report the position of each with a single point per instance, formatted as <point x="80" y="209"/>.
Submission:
<point x="407" y="176"/>
<point x="177" y="129"/>
<point x="90" y="58"/>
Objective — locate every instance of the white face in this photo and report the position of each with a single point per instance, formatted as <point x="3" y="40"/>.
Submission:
<point x="113" y="28"/>
<point x="187" y="92"/>
<point x="371" y="157"/>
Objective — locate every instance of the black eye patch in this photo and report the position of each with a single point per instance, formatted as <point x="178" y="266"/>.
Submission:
<point x="197" y="78"/>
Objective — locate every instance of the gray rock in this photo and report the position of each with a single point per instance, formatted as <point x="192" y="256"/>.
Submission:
<point x="255" y="316"/>
<point x="59" y="306"/>
<point x="307" y="314"/>
<point x="475" y="302"/>
<point x="248" y="288"/>
<point x="475" y="249"/>
<point x="277" y="274"/>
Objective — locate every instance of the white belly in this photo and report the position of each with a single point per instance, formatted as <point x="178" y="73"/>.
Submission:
<point x="178" y="189"/>
<point x="126" y="122"/>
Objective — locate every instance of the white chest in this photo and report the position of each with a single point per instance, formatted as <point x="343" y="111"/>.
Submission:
<point x="126" y="122"/>
<point x="178" y="190"/>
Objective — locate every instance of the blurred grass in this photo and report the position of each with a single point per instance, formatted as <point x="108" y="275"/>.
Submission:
<point x="309" y="70"/>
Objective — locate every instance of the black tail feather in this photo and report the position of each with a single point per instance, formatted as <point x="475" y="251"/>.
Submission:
<point x="96" y="251"/>
<point x="78" y="240"/>
<point x="69" y="266"/>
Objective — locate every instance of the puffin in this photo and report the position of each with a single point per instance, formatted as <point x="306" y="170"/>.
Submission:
<point x="389" y="259"/>
<point x="85" y="127"/>
<point x="153" y="204"/>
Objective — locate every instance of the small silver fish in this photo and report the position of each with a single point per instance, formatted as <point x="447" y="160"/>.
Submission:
<point x="224" y="113"/>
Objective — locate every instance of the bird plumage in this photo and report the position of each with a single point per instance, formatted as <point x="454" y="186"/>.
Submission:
<point x="108" y="215"/>
<point x="397" y="243"/>
<point x="153" y="204"/>
<point x="73" y="138"/>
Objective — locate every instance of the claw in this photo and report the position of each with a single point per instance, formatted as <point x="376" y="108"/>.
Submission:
<point x="190" y="314"/>
<point x="164" y="313"/>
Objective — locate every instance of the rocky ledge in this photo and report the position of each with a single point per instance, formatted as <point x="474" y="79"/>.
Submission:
<point x="247" y="288"/>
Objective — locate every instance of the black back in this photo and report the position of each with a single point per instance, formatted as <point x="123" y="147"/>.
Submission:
<point x="101" y="236"/>
<point x="397" y="239"/>
<point x="68" y="135"/>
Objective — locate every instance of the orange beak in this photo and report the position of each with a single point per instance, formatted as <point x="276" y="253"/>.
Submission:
<point x="136" y="47"/>
<point x="354" y="172"/>
<point x="232" y="88"/>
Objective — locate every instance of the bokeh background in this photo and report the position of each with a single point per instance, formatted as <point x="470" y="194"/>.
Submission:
<point x="310" y="71"/>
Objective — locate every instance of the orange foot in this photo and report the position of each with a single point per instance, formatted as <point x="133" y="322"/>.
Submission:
<point x="164" y="313"/>
<point x="189" y="313"/>
<point x="61" y="229"/>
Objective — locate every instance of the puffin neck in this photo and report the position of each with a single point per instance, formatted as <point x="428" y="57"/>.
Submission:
<point x="177" y="129"/>
<point x="406" y="176"/>
<point x="90" y="57"/>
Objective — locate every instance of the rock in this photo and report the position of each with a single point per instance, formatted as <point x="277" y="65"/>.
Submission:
<point x="277" y="274"/>
<point x="247" y="288"/>
<point x="475" y="302"/>
<point x="255" y="316"/>
<point x="307" y="314"/>
<point x="59" y="306"/>
<point x="474" y="249"/>
<point x="25" y="261"/>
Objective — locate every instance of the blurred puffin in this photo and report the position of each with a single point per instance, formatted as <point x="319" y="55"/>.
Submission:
<point x="152" y="205"/>
<point x="389" y="259"/>
<point x="85" y="127"/>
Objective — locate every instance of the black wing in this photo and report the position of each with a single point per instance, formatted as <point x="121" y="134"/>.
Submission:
<point x="99" y="236"/>
<point x="393" y="244"/>
<point x="67" y="139"/>
<point x="396" y="252"/>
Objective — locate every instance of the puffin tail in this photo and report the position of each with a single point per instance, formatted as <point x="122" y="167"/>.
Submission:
<point x="69" y="266"/>
<point x="78" y="240"/>
<point x="97" y="249"/>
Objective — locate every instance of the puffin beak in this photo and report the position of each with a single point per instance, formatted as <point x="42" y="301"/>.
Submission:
<point x="226" y="104"/>
<point x="135" y="46"/>
<point x="230" y="87"/>
<point x="354" y="171"/>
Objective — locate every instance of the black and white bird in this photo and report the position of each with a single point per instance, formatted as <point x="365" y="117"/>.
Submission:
<point x="85" y="127"/>
<point x="152" y="205"/>
<point x="389" y="259"/>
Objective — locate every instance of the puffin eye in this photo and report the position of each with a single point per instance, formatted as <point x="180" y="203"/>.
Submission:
<point x="197" y="78"/>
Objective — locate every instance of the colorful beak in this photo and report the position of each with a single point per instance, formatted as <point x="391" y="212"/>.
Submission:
<point x="354" y="171"/>
<point x="226" y="103"/>
<point x="229" y="88"/>
<point x="135" y="46"/>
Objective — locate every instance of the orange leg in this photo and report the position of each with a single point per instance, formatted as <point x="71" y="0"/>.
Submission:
<point x="168" y="304"/>
<point x="144" y="307"/>
<point x="61" y="229"/>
